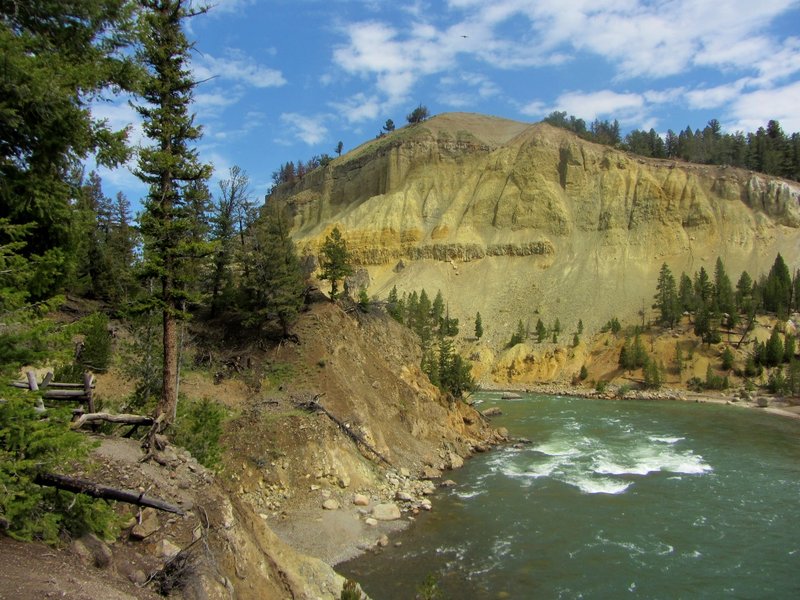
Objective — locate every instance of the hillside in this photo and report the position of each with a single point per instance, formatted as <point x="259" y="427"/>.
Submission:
<point x="257" y="529"/>
<point x="522" y="221"/>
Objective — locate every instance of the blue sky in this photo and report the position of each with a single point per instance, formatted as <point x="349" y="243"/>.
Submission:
<point x="287" y="79"/>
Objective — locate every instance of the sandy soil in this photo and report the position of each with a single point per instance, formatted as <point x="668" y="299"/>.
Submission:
<point x="334" y="536"/>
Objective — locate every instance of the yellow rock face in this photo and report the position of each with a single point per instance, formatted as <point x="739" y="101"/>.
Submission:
<point x="508" y="218"/>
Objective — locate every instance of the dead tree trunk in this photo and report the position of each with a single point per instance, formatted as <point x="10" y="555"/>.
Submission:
<point x="90" y="488"/>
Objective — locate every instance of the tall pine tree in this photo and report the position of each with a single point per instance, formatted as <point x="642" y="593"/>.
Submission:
<point x="173" y="172"/>
<point x="273" y="280"/>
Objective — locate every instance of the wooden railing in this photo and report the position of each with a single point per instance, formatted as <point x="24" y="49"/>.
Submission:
<point x="51" y="390"/>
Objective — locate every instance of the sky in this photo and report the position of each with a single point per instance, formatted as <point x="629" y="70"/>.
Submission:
<point x="284" y="80"/>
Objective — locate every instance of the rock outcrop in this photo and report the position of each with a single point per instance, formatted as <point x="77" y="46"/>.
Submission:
<point x="512" y="219"/>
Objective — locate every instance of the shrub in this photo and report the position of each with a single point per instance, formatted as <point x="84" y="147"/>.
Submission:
<point x="96" y="352"/>
<point x="601" y="386"/>
<point x="584" y="373"/>
<point x="29" y="445"/>
<point x="727" y="359"/>
<point x="351" y="591"/>
<point x="198" y="429"/>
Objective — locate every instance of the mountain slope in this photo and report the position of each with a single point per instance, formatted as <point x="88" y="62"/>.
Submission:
<point x="523" y="221"/>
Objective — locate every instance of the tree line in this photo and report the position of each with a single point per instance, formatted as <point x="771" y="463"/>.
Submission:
<point x="768" y="150"/>
<point x="715" y="304"/>
<point x="431" y="321"/>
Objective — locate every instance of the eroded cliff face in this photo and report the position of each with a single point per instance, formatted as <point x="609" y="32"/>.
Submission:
<point x="509" y="219"/>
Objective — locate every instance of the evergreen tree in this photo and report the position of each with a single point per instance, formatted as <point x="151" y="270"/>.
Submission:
<point x="666" y="298"/>
<point x="686" y="294"/>
<point x="727" y="359"/>
<point x="394" y="306"/>
<point x="57" y="56"/>
<point x="580" y="326"/>
<point x="777" y="292"/>
<point x="478" y="326"/>
<point x="796" y="284"/>
<point x="519" y="335"/>
<point x="541" y="331"/>
<point x="273" y="282"/>
<point x="652" y="372"/>
<point x="773" y="354"/>
<point x="723" y="292"/>
<point x="788" y="348"/>
<point x="706" y="325"/>
<point x="744" y="293"/>
<point x="172" y="171"/>
<point x="703" y="289"/>
<point x="335" y="260"/>
<point x="437" y="311"/>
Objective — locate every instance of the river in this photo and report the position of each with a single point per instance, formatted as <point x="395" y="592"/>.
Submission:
<point x="611" y="499"/>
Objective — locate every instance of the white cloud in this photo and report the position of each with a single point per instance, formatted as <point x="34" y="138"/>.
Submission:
<point x="360" y="107"/>
<point x="310" y="129"/>
<point x="752" y="110"/>
<point x="716" y="96"/>
<point x="236" y="67"/>
<point x="593" y="105"/>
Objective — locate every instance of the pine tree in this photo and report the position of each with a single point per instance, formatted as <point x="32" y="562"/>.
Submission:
<point x="541" y="331"/>
<point x="703" y="289"/>
<point x="394" y="306"/>
<point x="56" y="57"/>
<point x="778" y="288"/>
<point x="335" y="260"/>
<point x="788" y="348"/>
<point x="478" y="326"/>
<point x="273" y="282"/>
<point x="666" y="298"/>
<point x="437" y="311"/>
<point x="686" y="294"/>
<point x="744" y="293"/>
<point x="774" y="350"/>
<point x="519" y="335"/>
<point x="172" y="171"/>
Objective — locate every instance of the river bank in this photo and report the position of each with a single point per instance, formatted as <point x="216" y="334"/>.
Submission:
<point x="342" y="533"/>
<point x="762" y="402"/>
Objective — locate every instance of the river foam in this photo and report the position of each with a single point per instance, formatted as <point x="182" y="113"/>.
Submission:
<point x="595" y="463"/>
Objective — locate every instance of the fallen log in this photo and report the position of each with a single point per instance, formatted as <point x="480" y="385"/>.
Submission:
<point x="90" y="488"/>
<point x="125" y="419"/>
<point x="314" y="404"/>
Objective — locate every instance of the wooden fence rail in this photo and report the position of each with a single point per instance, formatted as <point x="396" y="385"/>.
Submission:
<point x="51" y="390"/>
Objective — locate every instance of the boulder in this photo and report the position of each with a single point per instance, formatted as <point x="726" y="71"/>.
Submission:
<point x="360" y="500"/>
<point x="371" y="522"/>
<point x="511" y="396"/>
<point x="431" y="472"/>
<point x="403" y="496"/>
<point x="148" y="525"/>
<point x="330" y="504"/>
<point x="492" y="412"/>
<point x="93" y="551"/>
<point x="456" y="462"/>
<point x="386" y="512"/>
<point x="166" y="549"/>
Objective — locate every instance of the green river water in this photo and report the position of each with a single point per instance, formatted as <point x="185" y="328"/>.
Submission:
<point x="610" y="500"/>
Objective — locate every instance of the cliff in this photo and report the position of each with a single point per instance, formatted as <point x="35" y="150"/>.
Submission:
<point x="523" y="221"/>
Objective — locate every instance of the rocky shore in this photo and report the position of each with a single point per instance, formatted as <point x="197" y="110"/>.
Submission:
<point x="768" y="403"/>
